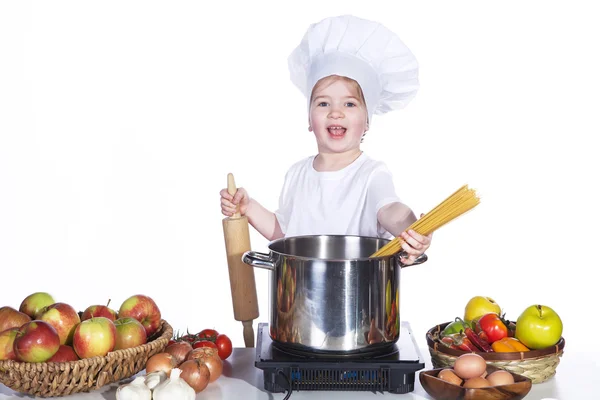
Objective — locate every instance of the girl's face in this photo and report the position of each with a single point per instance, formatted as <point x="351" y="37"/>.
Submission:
<point x="338" y="115"/>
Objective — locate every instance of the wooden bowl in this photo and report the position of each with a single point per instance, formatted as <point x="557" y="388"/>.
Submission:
<point x="442" y="390"/>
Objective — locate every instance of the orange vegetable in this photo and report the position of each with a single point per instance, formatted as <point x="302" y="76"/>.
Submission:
<point x="508" y="344"/>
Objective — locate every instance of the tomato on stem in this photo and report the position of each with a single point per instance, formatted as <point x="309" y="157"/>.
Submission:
<point x="209" y="334"/>
<point x="204" y="343"/>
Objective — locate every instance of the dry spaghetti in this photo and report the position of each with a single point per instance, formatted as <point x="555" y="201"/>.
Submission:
<point x="455" y="205"/>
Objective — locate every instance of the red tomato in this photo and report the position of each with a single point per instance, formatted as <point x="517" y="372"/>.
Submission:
<point x="204" y="343"/>
<point x="188" y="338"/>
<point x="224" y="346"/>
<point x="171" y="342"/>
<point x="208" y="334"/>
<point x="492" y="326"/>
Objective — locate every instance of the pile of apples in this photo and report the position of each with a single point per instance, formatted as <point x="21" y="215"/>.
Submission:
<point x="43" y="330"/>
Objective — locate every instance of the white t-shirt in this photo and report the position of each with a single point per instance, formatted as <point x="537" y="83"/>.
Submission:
<point x="343" y="202"/>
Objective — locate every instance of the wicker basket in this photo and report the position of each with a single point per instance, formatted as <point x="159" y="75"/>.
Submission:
<point x="53" y="379"/>
<point x="537" y="365"/>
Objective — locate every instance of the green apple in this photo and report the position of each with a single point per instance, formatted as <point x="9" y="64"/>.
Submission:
<point x="35" y="302"/>
<point x="539" y="327"/>
<point x="94" y="337"/>
<point x="480" y="305"/>
<point x="130" y="333"/>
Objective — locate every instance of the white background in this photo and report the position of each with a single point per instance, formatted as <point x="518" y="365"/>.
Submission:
<point x="119" y="122"/>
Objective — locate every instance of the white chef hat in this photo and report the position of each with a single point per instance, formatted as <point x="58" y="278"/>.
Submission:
<point x="363" y="50"/>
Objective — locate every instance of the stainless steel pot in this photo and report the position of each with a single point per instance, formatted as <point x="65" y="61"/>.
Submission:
<point x="328" y="296"/>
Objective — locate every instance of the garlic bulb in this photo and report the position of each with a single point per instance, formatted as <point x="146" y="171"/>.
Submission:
<point x="153" y="379"/>
<point x="136" y="390"/>
<point x="174" y="388"/>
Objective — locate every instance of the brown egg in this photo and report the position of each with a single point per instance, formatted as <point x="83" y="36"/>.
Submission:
<point x="498" y="378"/>
<point x="449" y="376"/>
<point x="469" y="365"/>
<point x="477" y="382"/>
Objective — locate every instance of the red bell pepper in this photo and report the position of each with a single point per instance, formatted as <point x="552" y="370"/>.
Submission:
<point x="491" y="328"/>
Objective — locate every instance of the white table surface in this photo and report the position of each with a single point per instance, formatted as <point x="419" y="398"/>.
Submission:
<point x="576" y="379"/>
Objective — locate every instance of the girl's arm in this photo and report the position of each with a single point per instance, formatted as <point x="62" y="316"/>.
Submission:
<point x="396" y="218"/>
<point x="263" y="220"/>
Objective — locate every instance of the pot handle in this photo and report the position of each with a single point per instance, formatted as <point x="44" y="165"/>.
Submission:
<point x="420" y="260"/>
<point x="260" y="260"/>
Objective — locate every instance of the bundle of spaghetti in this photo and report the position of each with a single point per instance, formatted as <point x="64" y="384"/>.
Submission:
<point x="461" y="201"/>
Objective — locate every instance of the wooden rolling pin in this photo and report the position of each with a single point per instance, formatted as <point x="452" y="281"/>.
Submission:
<point x="241" y="275"/>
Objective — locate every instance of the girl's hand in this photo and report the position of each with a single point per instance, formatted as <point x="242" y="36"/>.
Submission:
<point x="414" y="245"/>
<point x="230" y="204"/>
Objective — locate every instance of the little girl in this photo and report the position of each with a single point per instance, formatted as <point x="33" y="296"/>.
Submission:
<point x="349" y="69"/>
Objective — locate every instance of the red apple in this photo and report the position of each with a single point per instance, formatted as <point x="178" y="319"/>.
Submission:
<point x="144" y="309"/>
<point x="36" y="341"/>
<point x="11" y="318"/>
<point x="99" y="311"/>
<point x="7" y="339"/>
<point x="130" y="333"/>
<point x="94" y="337"/>
<point x="65" y="353"/>
<point x="33" y="303"/>
<point x="63" y="318"/>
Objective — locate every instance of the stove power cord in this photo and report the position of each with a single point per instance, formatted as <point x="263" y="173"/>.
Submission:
<point x="287" y="380"/>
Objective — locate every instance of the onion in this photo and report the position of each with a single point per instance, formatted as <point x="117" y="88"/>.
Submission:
<point x="210" y="357"/>
<point x="196" y="374"/>
<point x="179" y="351"/>
<point x="160" y="362"/>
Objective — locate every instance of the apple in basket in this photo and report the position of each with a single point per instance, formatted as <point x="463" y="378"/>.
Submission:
<point x="480" y="305"/>
<point x="7" y="340"/>
<point x="539" y="327"/>
<point x="33" y="303"/>
<point x="130" y="333"/>
<point x="11" y="318"/>
<point x="36" y="341"/>
<point x="144" y="309"/>
<point x="63" y="318"/>
<point x="65" y="353"/>
<point x="94" y="337"/>
<point x="99" y="311"/>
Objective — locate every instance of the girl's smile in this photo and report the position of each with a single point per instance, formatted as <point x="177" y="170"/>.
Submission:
<point x="336" y="132"/>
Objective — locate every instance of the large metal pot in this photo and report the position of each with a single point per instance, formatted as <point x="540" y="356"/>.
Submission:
<point x="328" y="296"/>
